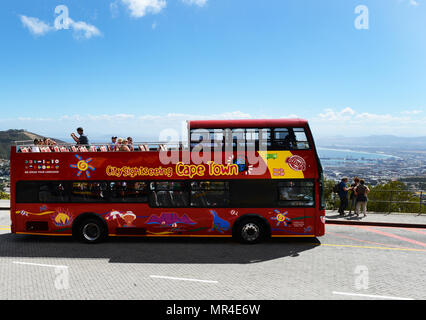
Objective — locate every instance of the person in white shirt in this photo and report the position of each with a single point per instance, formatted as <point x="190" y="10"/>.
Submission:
<point x="36" y="148"/>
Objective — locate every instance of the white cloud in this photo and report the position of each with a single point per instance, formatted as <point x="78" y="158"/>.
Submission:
<point x="413" y="3"/>
<point x="83" y="29"/>
<point x="200" y="3"/>
<point x="100" y="127"/>
<point x="412" y="112"/>
<point x="344" y="114"/>
<point x="349" y="122"/>
<point x="80" y="29"/>
<point x="35" y="25"/>
<point x="139" y="8"/>
<point x="113" y="8"/>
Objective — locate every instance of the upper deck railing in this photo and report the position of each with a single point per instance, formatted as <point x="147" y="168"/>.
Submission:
<point x="29" y="146"/>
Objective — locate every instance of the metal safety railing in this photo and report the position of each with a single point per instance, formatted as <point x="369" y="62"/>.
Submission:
<point x="29" y="146"/>
<point x="407" y="201"/>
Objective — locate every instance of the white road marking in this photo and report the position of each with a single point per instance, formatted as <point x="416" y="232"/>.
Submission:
<point x="183" y="279"/>
<point x="39" y="264"/>
<point x="370" y="296"/>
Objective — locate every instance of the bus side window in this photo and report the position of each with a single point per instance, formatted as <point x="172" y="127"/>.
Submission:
<point x="129" y="191"/>
<point x="284" y="139"/>
<point x="200" y="138"/>
<point x="296" y="193"/>
<point x="252" y="139"/>
<point x="238" y="139"/>
<point x="89" y="192"/>
<point x="209" y="194"/>
<point x="301" y="139"/>
<point x="252" y="193"/>
<point x="167" y="194"/>
<point x="41" y="192"/>
<point x="265" y="139"/>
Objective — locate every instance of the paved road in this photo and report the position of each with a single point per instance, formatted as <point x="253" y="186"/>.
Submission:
<point x="349" y="262"/>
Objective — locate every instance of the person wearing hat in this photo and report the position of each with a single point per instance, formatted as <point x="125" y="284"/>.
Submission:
<point x="113" y="143"/>
<point x="121" y="145"/>
<point x="82" y="139"/>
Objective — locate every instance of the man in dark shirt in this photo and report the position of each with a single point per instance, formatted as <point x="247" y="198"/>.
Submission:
<point x="343" y="195"/>
<point x="82" y="139"/>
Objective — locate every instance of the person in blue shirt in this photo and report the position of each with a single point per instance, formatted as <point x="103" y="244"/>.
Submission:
<point x="343" y="195"/>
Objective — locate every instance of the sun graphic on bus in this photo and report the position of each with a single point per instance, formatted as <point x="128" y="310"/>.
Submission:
<point x="281" y="218"/>
<point x="83" y="166"/>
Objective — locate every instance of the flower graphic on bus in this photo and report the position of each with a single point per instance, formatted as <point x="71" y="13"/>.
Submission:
<point x="62" y="217"/>
<point x="83" y="166"/>
<point x="281" y="218"/>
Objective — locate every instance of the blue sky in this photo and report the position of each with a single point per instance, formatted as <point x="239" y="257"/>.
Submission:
<point x="135" y="67"/>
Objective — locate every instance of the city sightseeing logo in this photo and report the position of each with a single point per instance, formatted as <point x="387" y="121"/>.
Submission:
<point x="83" y="166"/>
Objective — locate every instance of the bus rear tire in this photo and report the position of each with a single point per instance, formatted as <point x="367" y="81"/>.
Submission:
<point x="91" y="230"/>
<point x="250" y="231"/>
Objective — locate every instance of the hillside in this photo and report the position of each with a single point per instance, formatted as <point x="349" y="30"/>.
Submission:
<point x="7" y="138"/>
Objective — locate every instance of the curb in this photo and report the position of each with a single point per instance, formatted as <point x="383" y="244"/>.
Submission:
<point x="378" y="224"/>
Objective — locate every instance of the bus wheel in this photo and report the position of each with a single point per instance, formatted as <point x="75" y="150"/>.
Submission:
<point x="91" y="231"/>
<point x="251" y="231"/>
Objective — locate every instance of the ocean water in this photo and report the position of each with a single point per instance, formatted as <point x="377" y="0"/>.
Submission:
<point x="339" y="156"/>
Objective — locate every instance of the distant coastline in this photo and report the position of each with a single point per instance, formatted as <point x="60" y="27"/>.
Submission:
<point x="355" y="152"/>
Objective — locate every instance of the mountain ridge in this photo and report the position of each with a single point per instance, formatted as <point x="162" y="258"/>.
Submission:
<point x="8" y="138"/>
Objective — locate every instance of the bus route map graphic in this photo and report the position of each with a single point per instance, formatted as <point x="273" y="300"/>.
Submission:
<point x="83" y="166"/>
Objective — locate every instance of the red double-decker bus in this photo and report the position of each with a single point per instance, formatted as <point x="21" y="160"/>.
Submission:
<point x="247" y="179"/>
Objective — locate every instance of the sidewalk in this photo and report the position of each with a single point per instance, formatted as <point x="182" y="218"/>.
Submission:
<point x="4" y="204"/>
<point x="408" y="220"/>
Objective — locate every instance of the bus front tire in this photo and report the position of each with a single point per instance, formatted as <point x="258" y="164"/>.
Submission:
<point x="91" y="230"/>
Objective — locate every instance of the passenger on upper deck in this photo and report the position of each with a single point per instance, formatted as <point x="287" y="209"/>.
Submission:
<point x="113" y="143"/>
<point x="130" y="143"/>
<point x="121" y="145"/>
<point x="48" y="142"/>
<point x="82" y="139"/>
<point x="36" y="147"/>
<point x="290" y="141"/>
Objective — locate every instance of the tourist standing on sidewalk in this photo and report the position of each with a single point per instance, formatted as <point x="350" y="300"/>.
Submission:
<point x="343" y="195"/>
<point x="352" y="197"/>
<point x="361" y="192"/>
